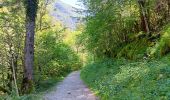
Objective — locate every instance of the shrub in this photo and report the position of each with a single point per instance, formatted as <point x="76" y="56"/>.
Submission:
<point x="165" y="42"/>
<point x="162" y="46"/>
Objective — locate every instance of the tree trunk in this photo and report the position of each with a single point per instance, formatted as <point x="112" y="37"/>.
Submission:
<point x="31" y="9"/>
<point x="168" y="7"/>
<point x="28" y="57"/>
<point x="14" y="77"/>
<point x="144" y="19"/>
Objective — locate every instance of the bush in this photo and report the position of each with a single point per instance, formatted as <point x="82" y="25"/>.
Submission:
<point x="134" y="50"/>
<point x="165" y="42"/>
<point x="53" y="58"/>
<point x="162" y="46"/>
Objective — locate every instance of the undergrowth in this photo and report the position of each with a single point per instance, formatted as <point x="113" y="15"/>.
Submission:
<point x="41" y="88"/>
<point x="24" y="97"/>
<point x="128" y="80"/>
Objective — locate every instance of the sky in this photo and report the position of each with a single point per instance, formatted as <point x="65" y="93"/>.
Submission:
<point x="72" y="3"/>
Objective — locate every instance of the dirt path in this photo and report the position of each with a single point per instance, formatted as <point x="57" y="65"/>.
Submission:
<point x="72" y="88"/>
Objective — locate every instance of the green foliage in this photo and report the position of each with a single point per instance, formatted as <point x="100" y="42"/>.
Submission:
<point x="123" y="80"/>
<point x="53" y="58"/>
<point x="165" y="41"/>
<point x="105" y="35"/>
<point x="113" y="29"/>
<point x="161" y="46"/>
<point x="134" y="50"/>
<point x="117" y="28"/>
<point x="47" y="85"/>
<point x="24" y="97"/>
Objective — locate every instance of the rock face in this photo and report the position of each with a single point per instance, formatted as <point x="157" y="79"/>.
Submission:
<point x="66" y="14"/>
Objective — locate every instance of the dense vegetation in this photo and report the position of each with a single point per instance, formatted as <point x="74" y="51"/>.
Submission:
<point x="129" y="43"/>
<point x="129" y="80"/>
<point x="125" y="45"/>
<point x="53" y="59"/>
<point x="114" y="28"/>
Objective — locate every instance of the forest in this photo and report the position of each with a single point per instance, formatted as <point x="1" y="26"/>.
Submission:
<point x="121" y="48"/>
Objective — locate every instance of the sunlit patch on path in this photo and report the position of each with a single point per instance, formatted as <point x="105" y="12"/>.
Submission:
<point x="72" y="88"/>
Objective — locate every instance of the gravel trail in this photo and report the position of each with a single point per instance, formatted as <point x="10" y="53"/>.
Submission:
<point x="72" y="88"/>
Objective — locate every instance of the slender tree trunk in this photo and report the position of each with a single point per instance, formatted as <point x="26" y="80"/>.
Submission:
<point x="144" y="19"/>
<point x="31" y="9"/>
<point x="168" y="7"/>
<point x="14" y="77"/>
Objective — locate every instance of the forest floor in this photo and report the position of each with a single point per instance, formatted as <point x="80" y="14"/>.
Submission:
<point x="71" y="88"/>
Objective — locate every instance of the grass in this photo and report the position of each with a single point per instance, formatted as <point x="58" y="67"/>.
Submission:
<point x="125" y="80"/>
<point x="24" y="97"/>
<point x="47" y="85"/>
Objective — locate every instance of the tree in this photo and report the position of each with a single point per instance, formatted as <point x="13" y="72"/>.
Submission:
<point x="11" y="45"/>
<point x="144" y="19"/>
<point x="31" y="11"/>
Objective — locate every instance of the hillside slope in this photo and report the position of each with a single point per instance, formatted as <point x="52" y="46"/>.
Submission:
<point x="66" y="14"/>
